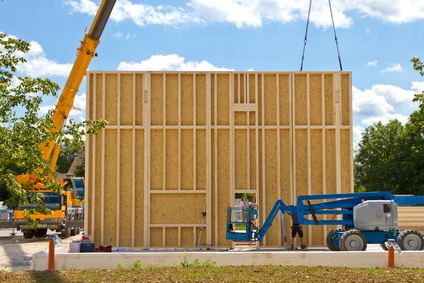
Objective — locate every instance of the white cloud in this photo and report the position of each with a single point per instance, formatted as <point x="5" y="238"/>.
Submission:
<point x="38" y="65"/>
<point x="394" y="68"/>
<point x="83" y="6"/>
<point x="386" y="119"/>
<point x="171" y="62"/>
<point x="357" y="136"/>
<point x="372" y="63"/>
<point x="252" y="13"/>
<point x="44" y="109"/>
<point x="368" y="103"/>
<point x="384" y="102"/>
<point x="117" y="35"/>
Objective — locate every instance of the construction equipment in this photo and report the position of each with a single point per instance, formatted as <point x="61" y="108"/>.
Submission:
<point x="367" y="218"/>
<point x="66" y="206"/>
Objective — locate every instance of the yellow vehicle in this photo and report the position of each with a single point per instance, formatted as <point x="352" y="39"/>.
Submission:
<point x="67" y="206"/>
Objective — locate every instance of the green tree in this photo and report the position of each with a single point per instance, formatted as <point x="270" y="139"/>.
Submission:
<point x="376" y="163"/>
<point x="80" y="169"/>
<point x="68" y="152"/>
<point x="22" y="130"/>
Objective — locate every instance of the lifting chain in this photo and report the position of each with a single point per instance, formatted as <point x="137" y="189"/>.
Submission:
<point x="306" y="35"/>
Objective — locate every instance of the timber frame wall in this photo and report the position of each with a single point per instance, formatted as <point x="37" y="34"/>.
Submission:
<point x="179" y="141"/>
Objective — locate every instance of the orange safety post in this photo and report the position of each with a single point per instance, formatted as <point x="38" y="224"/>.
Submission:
<point x="51" y="254"/>
<point x="391" y="256"/>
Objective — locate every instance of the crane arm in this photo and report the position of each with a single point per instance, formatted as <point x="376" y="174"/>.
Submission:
<point x="85" y="53"/>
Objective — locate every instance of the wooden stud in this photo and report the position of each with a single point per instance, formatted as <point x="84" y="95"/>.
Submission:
<point x="102" y="220"/>
<point x="263" y="210"/>
<point x="118" y="162"/>
<point x="133" y="173"/>
<point x="146" y="122"/>
<point x="216" y="155"/>
<point x="208" y="161"/>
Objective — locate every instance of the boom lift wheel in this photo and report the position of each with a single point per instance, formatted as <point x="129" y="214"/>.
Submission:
<point x="66" y="232"/>
<point x="353" y="240"/>
<point x="383" y="246"/>
<point x="410" y="240"/>
<point x="330" y="239"/>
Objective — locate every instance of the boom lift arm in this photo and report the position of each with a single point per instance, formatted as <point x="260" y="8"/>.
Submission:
<point x="332" y="205"/>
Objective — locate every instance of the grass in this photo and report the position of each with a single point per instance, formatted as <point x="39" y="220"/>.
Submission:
<point x="268" y="273"/>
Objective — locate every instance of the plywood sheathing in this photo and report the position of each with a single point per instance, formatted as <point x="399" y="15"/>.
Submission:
<point x="178" y="140"/>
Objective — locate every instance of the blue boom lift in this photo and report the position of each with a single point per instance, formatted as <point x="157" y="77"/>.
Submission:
<point x="367" y="218"/>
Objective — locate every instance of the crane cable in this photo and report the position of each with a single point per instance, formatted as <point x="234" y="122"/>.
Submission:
<point x="335" y="35"/>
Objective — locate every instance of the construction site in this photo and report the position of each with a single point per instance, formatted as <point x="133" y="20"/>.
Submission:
<point x="226" y="166"/>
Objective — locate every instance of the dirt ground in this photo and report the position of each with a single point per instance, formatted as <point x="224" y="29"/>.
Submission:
<point x="269" y="273"/>
<point x="16" y="251"/>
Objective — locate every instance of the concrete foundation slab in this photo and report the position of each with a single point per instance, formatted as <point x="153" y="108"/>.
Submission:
<point x="369" y="259"/>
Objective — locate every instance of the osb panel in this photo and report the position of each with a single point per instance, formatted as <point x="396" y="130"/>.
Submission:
<point x="125" y="189"/>
<point x="285" y="154"/>
<point x="139" y="99"/>
<point x="172" y="161"/>
<point x="270" y="85"/>
<point x="315" y="98"/>
<point x="241" y="159"/>
<point x="111" y="107"/>
<point x="253" y="161"/>
<point x="126" y="89"/>
<point x="271" y="182"/>
<point x="316" y="162"/>
<point x="156" y="99"/>
<point x="187" y="99"/>
<point x="139" y="188"/>
<point x="300" y="99"/>
<point x="97" y="180"/>
<point x="176" y="208"/>
<point x="318" y="237"/>
<point x="110" y="188"/>
<point x="301" y="155"/>
<point x="240" y="118"/>
<point x="329" y="102"/>
<point x="172" y="92"/>
<point x="252" y="88"/>
<point x="201" y="99"/>
<point x="156" y="237"/>
<point x="330" y="161"/>
<point x="156" y="160"/>
<point x="345" y="92"/>
<point x="223" y="184"/>
<point x="187" y="170"/>
<point x="223" y="106"/>
<point x="98" y="96"/>
<point x="284" y="93"/>
<point x="345" y="152"/>
<point x="187" y="239"/>
<point x="171" y="236"/>
<point x="201" y="160"/>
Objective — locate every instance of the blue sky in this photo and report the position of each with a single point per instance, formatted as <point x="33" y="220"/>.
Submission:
<point x="376" y="38"/>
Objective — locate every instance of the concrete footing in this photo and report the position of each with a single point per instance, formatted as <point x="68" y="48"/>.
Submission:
<point x="368" y="259"/>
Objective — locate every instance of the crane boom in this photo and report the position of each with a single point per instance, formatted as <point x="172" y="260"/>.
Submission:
<point x="85" y="53"/>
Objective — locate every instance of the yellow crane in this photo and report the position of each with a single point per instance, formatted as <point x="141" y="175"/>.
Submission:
<point x="67" y="216"/>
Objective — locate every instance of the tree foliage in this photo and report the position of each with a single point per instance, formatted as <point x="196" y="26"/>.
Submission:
<point x="22" y="130"/>
<point x="391" y="157"/>
<point x="68" y="152"/>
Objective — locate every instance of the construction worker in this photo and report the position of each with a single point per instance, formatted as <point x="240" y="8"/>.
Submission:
<point x="296" y="229"/>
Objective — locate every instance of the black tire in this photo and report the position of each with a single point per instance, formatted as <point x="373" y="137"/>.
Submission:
<point x="383" y="246"/>
<point x="77" y="230"/>
<point x="330" y="242"/>
<point x="28" y="235"/>
<point x="410" y="240"/>
<point x="352" y="240"/>
<point x="66" y="232"/>
<point x="73" y="231"/>
<point x="40" y="233"/>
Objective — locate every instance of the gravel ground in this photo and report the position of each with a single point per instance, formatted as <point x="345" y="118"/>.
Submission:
<point x="16" y="251"/>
